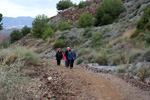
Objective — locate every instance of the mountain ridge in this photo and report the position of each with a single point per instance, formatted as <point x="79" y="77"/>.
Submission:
<point x="17" y="22"/>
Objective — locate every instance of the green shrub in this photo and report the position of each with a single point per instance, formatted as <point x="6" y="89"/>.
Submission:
<point x="62" y="36"/>
<point x="79" y="61"/>
<point x="91" y="58"/>
<point x="144" y="22"/>
<point x="121" y="69"/>
<point x="59" y="44"/>
<point x="64" y="4"/>
<point x="83" y="51"/>
<point x="87" y="32"/>
<point x="85" y="20"/>
<point x="82" y="4"/>
<point x="106" y="19"/>
<point x="96" y="38"/>
<point x="48" y="33"/>
<point x="25" y="30"/>
<point x="108" y="11"/>
<point x="73" y="40"/>
<point x="143" y="25"/>
<point x="64" y="26"/>
<point x="1" y="17"/>
<point x="101" y="59"/>
<point x="4" y="44"/>
<point x="53" y="26"/>
<point x="15" y="35"/>
<point x="38" y="25"/>
<point x="147" y="38"/>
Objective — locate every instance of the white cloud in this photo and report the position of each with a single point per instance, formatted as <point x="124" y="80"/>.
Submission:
<point x="15" y="8"/>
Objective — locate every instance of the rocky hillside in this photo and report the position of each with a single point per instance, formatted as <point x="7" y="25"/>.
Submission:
<point x="71" y="15"/>
<point x="117" y="51"/>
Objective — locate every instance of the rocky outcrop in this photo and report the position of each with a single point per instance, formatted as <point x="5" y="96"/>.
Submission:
<point x="72" y="14"/>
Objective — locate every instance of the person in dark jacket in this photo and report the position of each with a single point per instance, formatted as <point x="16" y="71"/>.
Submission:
<point x="72" y="56"/>
<point x="67" y="62"/>
<point x="59" y="57"/>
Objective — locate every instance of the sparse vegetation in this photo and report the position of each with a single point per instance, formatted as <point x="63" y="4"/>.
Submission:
<point x="121" y="69"/>
<point x="101" y="58"/>
<point x="143" y="73"/>
<point x="64" y="26"/>
<point x="4" y="44"/>
<point x="79" y="61"/>
<point x="53" y="26"/>
<point x="143" y="27"/>
<point x="13" y="80"/>
<point x="83" y="51"/>
<point x="96" y="38"/>
<point x="48" y="33"/>
<point x="59" y="44"/>
<point x="87" y="32"/>
<point x="85" y="20"/>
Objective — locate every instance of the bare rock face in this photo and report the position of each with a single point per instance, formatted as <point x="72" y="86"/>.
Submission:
<point x="72" y="14"/>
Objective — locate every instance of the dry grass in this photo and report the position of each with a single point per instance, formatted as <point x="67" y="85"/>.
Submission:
<point x="12" y="80"/>
<point x="120" y="39"/>
<point x="128" y="33"/>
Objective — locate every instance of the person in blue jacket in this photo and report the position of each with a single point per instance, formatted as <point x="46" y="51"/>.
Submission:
<point x="72" y="56"/>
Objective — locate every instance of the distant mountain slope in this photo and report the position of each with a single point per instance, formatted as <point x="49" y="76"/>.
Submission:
<point x="7" y="31"/>
<point x="19" y="22"/>
<point x="4" y="37"/>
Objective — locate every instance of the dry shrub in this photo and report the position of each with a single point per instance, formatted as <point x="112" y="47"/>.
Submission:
<point x="143" y="72"/>
<point x="11" y="59"/>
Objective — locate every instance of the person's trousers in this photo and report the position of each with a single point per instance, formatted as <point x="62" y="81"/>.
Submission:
<point x="67" y="62"/>
<point x="58" y="62"/>
<point x="71" y="63"/>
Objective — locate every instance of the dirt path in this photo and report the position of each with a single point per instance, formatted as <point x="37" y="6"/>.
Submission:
<point x="81" y="84"/>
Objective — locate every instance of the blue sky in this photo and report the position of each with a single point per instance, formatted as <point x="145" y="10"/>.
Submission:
<point x="15" y="8"/>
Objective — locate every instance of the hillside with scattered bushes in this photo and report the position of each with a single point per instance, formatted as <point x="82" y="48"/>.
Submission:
<point x="123" y="41"/>
<point x="111" y="38"/>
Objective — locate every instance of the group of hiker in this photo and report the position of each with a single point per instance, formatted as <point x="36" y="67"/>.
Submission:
<point x="69" y="56"/>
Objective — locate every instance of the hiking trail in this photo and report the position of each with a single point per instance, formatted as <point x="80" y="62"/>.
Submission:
<point x="61" y="83"/>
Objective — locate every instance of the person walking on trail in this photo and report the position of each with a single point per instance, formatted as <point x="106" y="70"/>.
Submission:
<point x="67" y="62"/>
<point x="59" y="57"/>
<point x="72" y="56"/>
